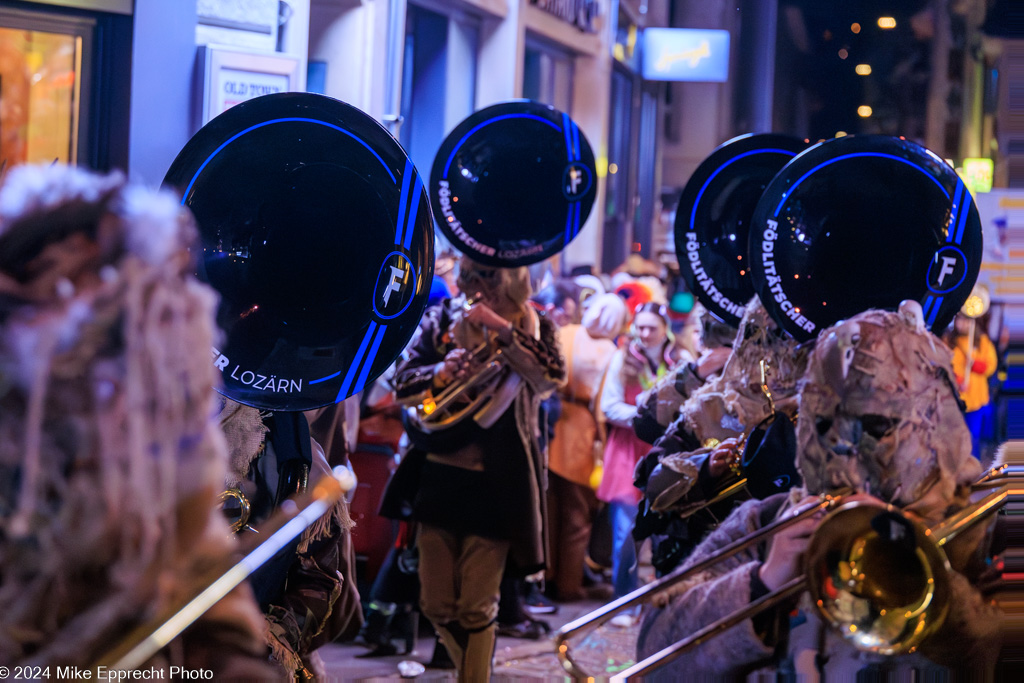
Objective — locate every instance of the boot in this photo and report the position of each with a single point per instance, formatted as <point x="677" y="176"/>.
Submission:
<point x="440" y="659"/>
<point x="376" y="632"/>
<point x="454" y="638"/>
<point x="406" y="624"/>
<point x="529" y="628"/>
<point x="478" y="657"/>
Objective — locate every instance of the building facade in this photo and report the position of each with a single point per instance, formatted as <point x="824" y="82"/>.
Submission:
<point x="131" y="80"/>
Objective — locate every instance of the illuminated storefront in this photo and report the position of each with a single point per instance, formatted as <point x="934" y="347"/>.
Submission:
<point x="54" y="59"/>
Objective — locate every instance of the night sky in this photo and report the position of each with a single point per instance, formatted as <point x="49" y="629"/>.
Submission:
<point x="816" y="35"/>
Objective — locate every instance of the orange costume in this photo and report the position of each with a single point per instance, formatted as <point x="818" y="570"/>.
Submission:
<point x="983" y="366"/>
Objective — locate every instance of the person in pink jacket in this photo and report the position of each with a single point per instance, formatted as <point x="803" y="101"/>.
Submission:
<point x="634" y="369"/>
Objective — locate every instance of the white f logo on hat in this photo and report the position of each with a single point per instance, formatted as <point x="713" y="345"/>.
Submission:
<point x="394" y="284"/>
<point x="947" y="268"/>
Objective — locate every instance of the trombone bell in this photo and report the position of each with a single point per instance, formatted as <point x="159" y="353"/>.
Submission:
<point x="878" y="577"/>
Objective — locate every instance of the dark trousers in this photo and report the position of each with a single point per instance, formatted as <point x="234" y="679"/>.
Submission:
<point x="571" y="510"/>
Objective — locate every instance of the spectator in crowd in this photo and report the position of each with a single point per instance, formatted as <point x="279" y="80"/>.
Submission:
<point x="662" y="404"/>
<point x="974" y="362"/>
<point x="560" y="302"/>
<point x="634" y="369"/>
<point x="578" y="443"/>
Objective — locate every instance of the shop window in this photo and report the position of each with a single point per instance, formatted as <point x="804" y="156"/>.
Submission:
<point x="438" y="80"/>
<point x="63" y="80"/>
<point x="547" y="75"/>
<point x="40" y="96"/>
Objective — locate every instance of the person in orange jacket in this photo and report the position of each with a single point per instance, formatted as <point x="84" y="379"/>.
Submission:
<point x="974" y="361"/>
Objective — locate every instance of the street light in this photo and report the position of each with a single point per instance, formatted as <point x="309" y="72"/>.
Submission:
<point x="864" y="111"/>
<point x="863" y="69"/>
<point x="886" y="22"/>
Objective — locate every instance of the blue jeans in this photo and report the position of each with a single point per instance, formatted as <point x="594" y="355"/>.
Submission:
<point x="624" y="565"/>
<point x="978" y="421"/>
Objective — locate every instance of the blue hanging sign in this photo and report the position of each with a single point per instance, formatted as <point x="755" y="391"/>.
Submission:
<point x="684" y="54"/>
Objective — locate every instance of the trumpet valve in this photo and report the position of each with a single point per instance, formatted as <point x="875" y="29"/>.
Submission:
<point x="735" y="465"/>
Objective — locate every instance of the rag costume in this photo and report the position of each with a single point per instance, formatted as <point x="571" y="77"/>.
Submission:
<point x="879" y="414"/>
<point x="110" y="463"/>
<point x="674" y="474"/>
<point x="307" y="591"/>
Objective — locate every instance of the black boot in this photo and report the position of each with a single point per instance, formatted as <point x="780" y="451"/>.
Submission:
<point x="376" y="632"/>
<point x="405" y="625"/>
<point x="441" y="659"/>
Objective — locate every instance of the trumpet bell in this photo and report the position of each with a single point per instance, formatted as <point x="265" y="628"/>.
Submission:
<point x="448" y="421"/>
<point x="878" y="577"/>
<point x="236" y="508"/>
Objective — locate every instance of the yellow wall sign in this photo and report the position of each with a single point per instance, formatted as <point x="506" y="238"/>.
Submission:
<point x="977" y="175"/>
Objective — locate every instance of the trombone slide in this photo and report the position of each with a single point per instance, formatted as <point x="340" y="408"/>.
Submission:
<point x="589" y="622"/>
<point x="785" y="592"/>
<point x="150" y="638"/>
<point x="936" y="538"/>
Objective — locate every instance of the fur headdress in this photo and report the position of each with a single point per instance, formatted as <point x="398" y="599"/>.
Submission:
<point x="110" y="463"/>
<point x="879" y="412"/>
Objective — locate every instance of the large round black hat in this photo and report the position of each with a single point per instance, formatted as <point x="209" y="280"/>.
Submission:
<point x="864" y="222"/>
<point x="513" y="183"/>
<point x="713" y="219"/>
<point x="316" y="231"/>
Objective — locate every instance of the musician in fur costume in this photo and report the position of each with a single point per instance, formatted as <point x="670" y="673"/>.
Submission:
<point x="110" y="463"/>
<point x="879" y="413"/>
<point x="478" y="494"/>
<point x="680" y="472"/>
<point x="308" y="591"/>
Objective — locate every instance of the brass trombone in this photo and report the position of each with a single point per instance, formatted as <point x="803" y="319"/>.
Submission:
<point x="844" y="585"/>
<point x="589" y="622"/>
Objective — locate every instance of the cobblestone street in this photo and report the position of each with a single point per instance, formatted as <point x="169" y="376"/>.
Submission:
<point x="603" y="652"/>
